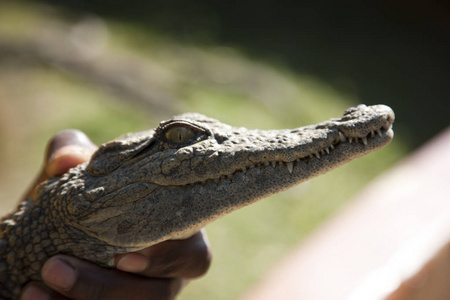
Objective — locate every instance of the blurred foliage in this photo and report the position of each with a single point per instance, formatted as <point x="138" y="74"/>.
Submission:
<point x="61" y="69"/>
<point x="382" y="51"/>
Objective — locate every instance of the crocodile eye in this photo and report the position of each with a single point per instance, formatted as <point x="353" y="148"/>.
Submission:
<point x="180" y="134"/>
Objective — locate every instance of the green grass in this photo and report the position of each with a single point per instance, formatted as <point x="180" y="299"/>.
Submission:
<point x="36" y="101"/>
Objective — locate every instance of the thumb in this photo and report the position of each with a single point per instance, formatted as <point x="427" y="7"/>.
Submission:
<point x="65" y="150"/>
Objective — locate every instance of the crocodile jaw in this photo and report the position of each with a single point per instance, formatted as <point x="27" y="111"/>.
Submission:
<point x="225" y="194"/>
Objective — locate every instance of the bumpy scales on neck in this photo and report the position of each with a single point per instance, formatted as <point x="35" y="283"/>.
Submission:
<point x="167" y="183"/>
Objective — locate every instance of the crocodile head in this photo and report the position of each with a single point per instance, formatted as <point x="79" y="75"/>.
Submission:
<point x="167" y="183"/>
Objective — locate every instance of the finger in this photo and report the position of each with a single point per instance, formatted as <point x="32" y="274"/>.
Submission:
<point x="65" y="150"/>
<point x="189" y="258"/>
<point x="35" y="291"/>
<point x="78" y="279"/>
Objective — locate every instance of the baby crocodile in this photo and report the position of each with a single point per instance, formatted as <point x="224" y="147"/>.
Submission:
<point x="148" y="187"/>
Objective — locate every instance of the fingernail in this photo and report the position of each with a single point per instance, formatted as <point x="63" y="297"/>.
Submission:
<point x="67" y="157"/>
<point x="34" y="293"/>
<point x="69" y="137"/>
<point x="58" y="273"/>
<point x="133" y="262"/>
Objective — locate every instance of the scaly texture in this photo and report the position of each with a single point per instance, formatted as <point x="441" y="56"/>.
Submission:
<point x="167" y="183"/>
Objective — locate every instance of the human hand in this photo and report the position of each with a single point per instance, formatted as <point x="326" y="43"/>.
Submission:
<point x="157" y="272"/>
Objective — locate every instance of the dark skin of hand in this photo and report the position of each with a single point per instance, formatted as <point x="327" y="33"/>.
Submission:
<point x="157" y="272"/>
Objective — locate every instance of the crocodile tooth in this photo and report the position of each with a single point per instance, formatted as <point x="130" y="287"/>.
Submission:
<point x="327" y="150"/>
<point x="332" y="147"/>
<point x="290" y="166"/>
<point x="317" y="154"/>
<point x="274" y="163"/>
<point x="364" y="140"/>
<point x="322" y="152"/>
<point x="350" y="140"/>
<point x="372" y="133"/>
<point x="342" y="137"/>
<point x="379" y="132"/>
<point x="388" y="126"/>
<point x="266" y="163"/>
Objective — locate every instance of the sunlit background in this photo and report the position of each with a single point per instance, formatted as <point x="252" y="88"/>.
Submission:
<point x="109" y="68"/>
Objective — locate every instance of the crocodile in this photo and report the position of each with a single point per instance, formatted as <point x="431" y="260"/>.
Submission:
<point x="144" y="188"/>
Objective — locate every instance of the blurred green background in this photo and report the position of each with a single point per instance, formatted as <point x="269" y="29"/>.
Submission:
<point x="109" y="68"/>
